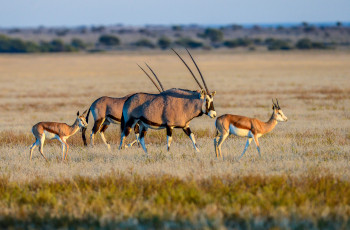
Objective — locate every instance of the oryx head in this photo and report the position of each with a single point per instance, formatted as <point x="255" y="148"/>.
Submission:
<point x="81" y="119"/>
<point x="277" y="112"/>
<point x="208" y="103"/>
<point x="205" y="95"/>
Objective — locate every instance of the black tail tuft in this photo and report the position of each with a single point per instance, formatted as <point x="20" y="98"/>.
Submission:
<point x="83" y="130"/>
<point x="87" y="116"/>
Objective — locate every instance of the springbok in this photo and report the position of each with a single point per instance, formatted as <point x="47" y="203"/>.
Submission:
<point x="106" y="110"/>
<point x="245" y="127"/>
<point x="173" y="108"/>
<point x="55" y="130"/>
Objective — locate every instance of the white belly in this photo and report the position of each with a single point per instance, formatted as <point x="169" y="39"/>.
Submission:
<point x="50" y="136"/>
<point x="240" y="132"/>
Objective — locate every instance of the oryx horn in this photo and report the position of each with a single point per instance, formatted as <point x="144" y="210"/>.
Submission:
<point x="161" y="86"/>
<point x="188" y="68"/>
<point x="200" y="73"/>
<point x="150" y="78"/>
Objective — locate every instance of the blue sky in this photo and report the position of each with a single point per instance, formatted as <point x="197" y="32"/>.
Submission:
<point x="22" y="13"/>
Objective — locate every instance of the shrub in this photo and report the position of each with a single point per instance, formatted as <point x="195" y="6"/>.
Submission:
<point x="306" y="43"/>
<point x="144" y="43"/>
<point x="214" y="35"/>
<point x="238" y="42"/>
<point x="109" y="40"/>
<point x="278" y="44"/>
<point x="164" y="42"/>
<point x="189" y="43"/>
<point x="78" y="44"/>
<point x="15" y="45"/>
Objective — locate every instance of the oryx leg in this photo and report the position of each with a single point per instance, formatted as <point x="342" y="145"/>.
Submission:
<point x="126" y="131"/>
<point x="41" y="147"/>
<point x="223" y="137"/>
<point x="33" y="147"/>
<point x="143" y="131"/>
<point x="137" y="135"/>
<point x="189" y="133"/>
<point x="249" y="140"/>
<point x="169" y="138"/>
<point x="257" y="144"/>
<point x="97" y="126"/>
<point x="102" y="134"/>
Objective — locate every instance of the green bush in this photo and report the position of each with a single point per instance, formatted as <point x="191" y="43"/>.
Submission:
<point x="214" y="35"/>
<point x="164" y="42"/>
<point x="15" y="45"/>
<point x="306" y="43"/>
<point x="189" y="43"/>
<point x="144" y="43"/>
<point x="78" y="44"/>
<point x="244" y="42"/>
<point x="277" y="44"/>
<point x="109" y="40"/>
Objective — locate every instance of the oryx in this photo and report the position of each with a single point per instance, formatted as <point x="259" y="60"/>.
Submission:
<point x="106" y="110"/>
<point x="173" y="108"/>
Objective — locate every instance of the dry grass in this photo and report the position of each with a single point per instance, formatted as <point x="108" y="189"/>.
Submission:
<point x="313" y="89"/>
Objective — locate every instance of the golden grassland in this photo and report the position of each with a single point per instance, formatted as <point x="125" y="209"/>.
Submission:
<point x="301" y="181"/>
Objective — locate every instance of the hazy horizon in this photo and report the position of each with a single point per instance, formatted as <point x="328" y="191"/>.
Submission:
<point x="34" y="13"/>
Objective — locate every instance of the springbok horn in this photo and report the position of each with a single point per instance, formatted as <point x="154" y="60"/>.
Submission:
<point x="278" y="104"/>
<point x="150" y="78"/>
<point x="188" y="68"/>
<point x="200" y="73"/>
<point x="161" y="86"/>
<point x="273" y="103"/>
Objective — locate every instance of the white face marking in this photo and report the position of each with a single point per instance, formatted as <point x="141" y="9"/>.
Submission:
<point x="82" y="122"/>
<point x="206" y="105"/>
<point x="280" y="116"/>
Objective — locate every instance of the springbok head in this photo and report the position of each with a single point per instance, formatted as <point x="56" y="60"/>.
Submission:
<point x="205" y="94"/>
<point x="81" y="119"/>
<point x="277" y="111"/>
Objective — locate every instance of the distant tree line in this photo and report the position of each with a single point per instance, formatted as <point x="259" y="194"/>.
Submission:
<point x="106" y="42"/>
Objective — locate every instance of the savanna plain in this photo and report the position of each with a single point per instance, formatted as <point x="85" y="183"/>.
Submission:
<point x="302" y="180"/>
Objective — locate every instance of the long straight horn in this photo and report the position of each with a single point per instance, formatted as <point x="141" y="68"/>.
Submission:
<point x="200" y="86"/>
<point x="161" y="86"/>
<point x="150" y="78"/>
<point x="200" y="73"/>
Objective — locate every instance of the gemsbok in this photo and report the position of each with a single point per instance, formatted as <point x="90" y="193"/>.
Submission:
<point x="56" y="130"/>
<point x="245" y="127"/>
<point x="173" y="108"/>
<point x="108" y="110"/>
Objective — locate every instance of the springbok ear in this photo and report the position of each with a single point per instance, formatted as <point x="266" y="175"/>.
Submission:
<point x="213" y="93"/>
<point x="78" y="113"/>
<point x="84" y="112"/>
<point x="273" y="107"/>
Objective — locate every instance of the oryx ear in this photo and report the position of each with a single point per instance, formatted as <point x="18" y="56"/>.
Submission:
<point x="78" y="113"/>
<point x="202" y="94"/>
<point x="213" y="93"/>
